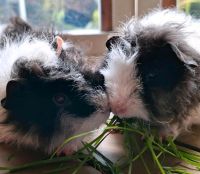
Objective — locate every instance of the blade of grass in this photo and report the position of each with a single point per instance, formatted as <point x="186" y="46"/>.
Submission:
<point x="166" y="147"/>
<point x="187" y="146"/>
<point x="149" y="144"/>
<point x="190" y="156"/>
<point x="107" y="163"/>
<point x="130" y="168"/>
<point x="58" y="170"/>
<point x="89" y="155"/>
<point x="176" y="170"/>
<point x="124" y="129"/>
<point x="38" y="164"/>
<point x="174" y="148"/>
<point x="140" y="154"/>
<point x="163" y="149"/>
<point x="70" y="139"/>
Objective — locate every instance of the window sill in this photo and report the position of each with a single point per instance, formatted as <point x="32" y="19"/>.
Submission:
<point x="82" y="32"/>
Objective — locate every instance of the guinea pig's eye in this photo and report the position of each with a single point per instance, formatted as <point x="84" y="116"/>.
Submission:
<point x="133" y="44"/>
<point x="59" y="99"/>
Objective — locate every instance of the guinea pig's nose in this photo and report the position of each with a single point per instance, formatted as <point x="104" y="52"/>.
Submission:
<point x="118" y="109"/>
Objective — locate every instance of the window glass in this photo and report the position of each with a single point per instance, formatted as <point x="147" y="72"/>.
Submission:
<point x="57" y="14"/>
<point x="190" y="6"/>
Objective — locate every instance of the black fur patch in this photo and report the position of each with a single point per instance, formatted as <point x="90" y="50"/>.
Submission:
<point x="112" y="41"/>
<point x="95" y="79"/>
<point x="30" y="101"/>
<point x="159" y="67"/>
<point x="160" y="71"/>
<point x="125" y="45"/>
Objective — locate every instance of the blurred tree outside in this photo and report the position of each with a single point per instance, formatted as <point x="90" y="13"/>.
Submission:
<point x="190" y="7"/>
<point x="8" y="9"/>
<point x="58" y="15"/>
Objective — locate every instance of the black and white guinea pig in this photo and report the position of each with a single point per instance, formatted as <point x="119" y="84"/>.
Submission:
<point x="66" y="51"/>
<point x="45" y="100"/>
<point x="152" y="70"/>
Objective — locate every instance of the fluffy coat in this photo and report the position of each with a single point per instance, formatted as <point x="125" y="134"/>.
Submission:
<point x="152" y="70"/>
<point x="45" y="98"/>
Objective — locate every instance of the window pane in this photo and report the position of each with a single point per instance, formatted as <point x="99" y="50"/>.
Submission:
<point x="58" y="14"/>
<point x="190" y="6"/>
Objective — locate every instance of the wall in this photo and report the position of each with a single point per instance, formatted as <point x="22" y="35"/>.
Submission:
<point x="94" y="45"/>
<point x="121" y="10"/>
<point x="146" y="5"/>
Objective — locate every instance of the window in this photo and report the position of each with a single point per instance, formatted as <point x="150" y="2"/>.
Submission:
<point x="189" y="6"/>
<point x="59" y="15"/>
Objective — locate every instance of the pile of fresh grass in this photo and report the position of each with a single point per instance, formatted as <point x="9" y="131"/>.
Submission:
<point x="139" y="140"/>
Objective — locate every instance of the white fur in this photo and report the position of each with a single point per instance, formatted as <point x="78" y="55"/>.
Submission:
<point x="34" y="50"/>
<point x="180" y="28"/>
<point x="2" y="28"/>
<point x="71" y="126"/>
<point x="121" y="88"/>
<point x="77" y="126"/>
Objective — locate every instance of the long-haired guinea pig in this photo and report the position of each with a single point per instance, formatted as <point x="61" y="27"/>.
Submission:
<point x="45" y="100"/>
<point x="152" y="70"/>
<point x="66" y="51"/>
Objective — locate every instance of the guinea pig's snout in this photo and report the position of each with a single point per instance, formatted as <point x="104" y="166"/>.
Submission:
<point x="119" y="108"/>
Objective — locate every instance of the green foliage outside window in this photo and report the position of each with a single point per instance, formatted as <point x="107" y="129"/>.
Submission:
<point x="190" y="7"/>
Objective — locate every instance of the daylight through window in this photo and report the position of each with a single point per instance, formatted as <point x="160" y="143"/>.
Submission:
<point x="190" y="6"/>
<point x="59" y="15"/>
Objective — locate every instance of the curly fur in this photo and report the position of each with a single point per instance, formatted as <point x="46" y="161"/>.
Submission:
<point x="166" y="93"/>
<point x="28" y="60"/>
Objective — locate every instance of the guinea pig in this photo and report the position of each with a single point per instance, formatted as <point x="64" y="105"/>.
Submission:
<point x="45" y="100"/>
<point x="17" y="28"/>
<point x="152" y="70"/>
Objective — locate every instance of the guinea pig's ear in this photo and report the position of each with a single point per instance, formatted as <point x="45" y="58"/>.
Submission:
<point x="112" y="41"/>
<point x="37" y="69"/>
<point x="95" y="79"/>
<point x="187" y="55"/>
<point x="57" y="45"/>
<point x="29" y="69"/>
<point x="162" y="67"/>
<point x="20" y="25"/>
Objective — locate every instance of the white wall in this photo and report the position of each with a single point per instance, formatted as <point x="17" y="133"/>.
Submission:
<point x="145" y="5"/>
<point x="124" y="9"/>
<point x="121" y="11"/>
